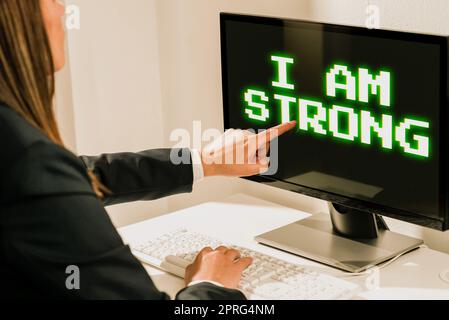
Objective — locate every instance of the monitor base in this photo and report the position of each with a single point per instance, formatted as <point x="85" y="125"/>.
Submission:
<point x="314" y="238"/>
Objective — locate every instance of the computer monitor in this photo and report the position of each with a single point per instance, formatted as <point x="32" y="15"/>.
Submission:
<point x="371" y="136"/>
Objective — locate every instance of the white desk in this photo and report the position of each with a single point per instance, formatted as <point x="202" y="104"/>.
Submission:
<point x="239" y="218"/>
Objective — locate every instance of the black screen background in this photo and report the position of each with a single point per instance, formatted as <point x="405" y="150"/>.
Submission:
<point x="406" y="183"/>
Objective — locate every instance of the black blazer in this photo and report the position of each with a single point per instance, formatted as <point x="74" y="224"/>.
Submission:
<point x="51" y="219"/>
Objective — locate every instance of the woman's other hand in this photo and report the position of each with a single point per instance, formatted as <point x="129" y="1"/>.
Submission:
<point x="223" y="265"/>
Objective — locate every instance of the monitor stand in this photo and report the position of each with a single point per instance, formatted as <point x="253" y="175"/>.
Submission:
<point x="354" y="241"/>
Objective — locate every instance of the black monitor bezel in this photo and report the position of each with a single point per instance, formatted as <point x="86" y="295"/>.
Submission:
<point x="442" y="41"/>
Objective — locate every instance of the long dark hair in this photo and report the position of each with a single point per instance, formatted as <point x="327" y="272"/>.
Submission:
<point x="27" y="81"/>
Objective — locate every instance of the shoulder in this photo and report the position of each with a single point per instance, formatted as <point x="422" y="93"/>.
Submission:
<point x="16" y="135"/>
<point x="15" y="131"/>
<point x="31" y="165"/>
<point x="45" y="169"/>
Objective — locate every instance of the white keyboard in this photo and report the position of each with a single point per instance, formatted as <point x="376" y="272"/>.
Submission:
<point x="267" y="278"/>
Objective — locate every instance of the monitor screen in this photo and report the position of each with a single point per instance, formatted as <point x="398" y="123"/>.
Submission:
<point x="367" y="104"/>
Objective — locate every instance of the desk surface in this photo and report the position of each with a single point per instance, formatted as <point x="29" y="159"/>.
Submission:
<point x="239" y="218"/>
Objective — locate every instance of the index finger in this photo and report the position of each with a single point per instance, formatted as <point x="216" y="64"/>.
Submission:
<point x="279" y="130"/>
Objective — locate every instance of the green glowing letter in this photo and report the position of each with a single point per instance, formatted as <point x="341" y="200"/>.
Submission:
<point x="422" y="148"/>
<point x="314" y="121"/>
<point x="333" y="85"/>
<point x="380" y="83"/>
<point x="282" y="66"/>
<point x="285" y="106"/>
<point x="263" y="113"/>
<point x="385" y="132"/>
<point x="353" y="123"/>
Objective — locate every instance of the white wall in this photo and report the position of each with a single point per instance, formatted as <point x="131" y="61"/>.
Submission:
<point x="114" y="64"/>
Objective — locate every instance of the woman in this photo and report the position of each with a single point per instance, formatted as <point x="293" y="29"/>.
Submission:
<point x="51" y="202"/>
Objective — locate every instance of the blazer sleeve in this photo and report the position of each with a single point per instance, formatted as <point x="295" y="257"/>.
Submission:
<point x="209" y="291"/>
<point x="51" y="220"/>
<point x="147" y="175"/>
